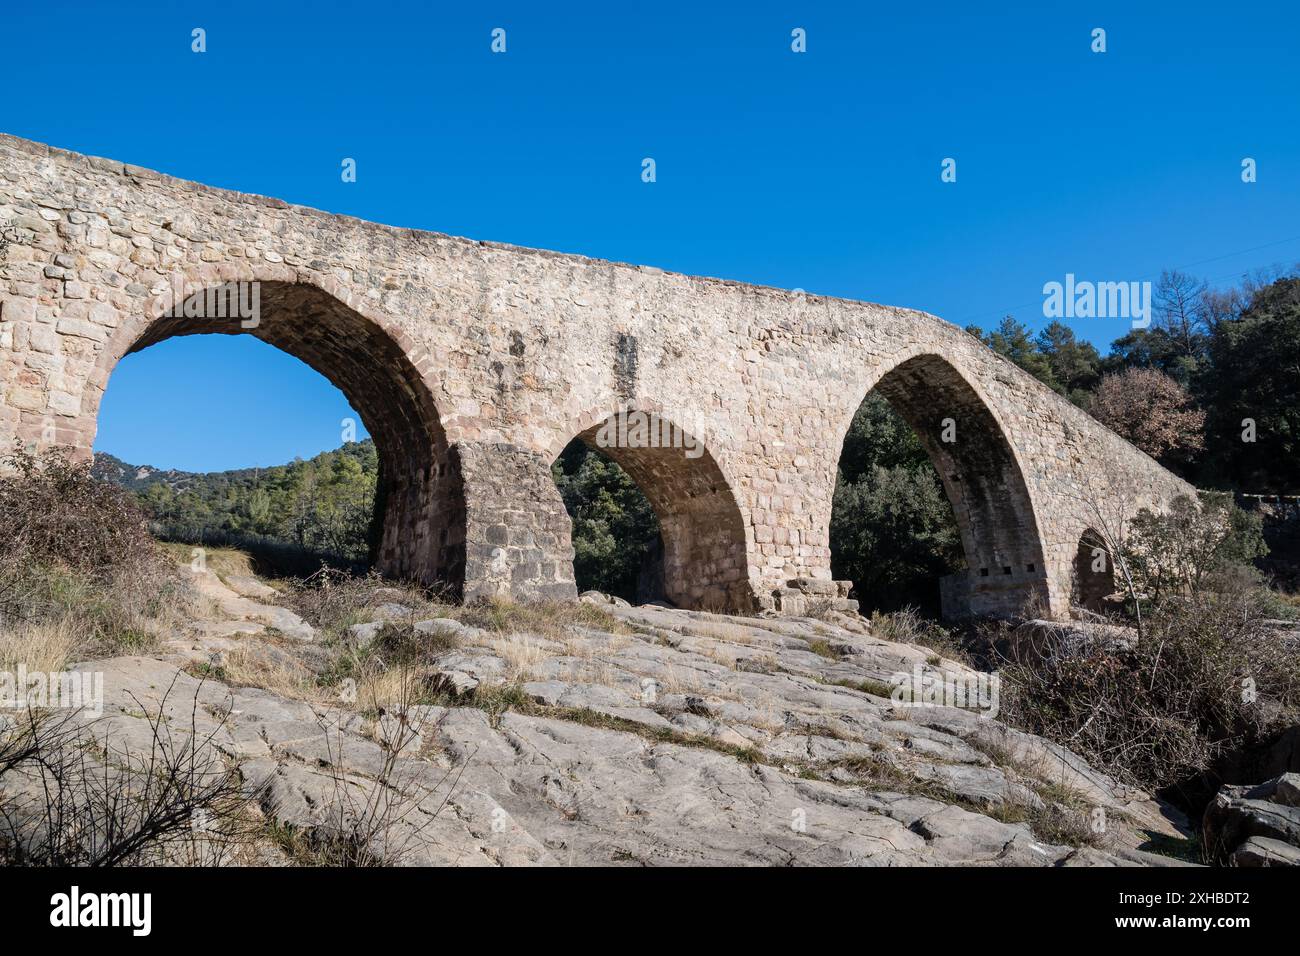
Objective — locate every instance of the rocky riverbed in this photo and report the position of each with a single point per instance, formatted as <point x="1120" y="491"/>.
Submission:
<point x="632" y="735"/>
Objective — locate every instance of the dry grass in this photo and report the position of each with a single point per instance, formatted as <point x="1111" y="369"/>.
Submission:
<point x="247" y="665"/>
<point x="720" y="655"/>
<point x="582" y="648"/>
<point x="397" y="668"/>
<point x="332" y="601"/>
<point x="107" y="615"/>
<point x="727" y="633"/>
<point x="521" y="654"/>
<point x="600" y="672"/>
<point x="821" y="609"/>
<point x="45" y="646"/>
<point x="386" y="691"/>
<point x="222" y="562"/>
<point x="686" y="680"/>
<point x="549" y="619"/>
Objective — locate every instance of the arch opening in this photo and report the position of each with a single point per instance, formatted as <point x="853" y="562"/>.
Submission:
<point x="617" y="548"/>
<point x="999" y="568"/>
<point x="418" y="529"/>
<point x="701" y="556"/>
<point x="1094" y="576"/>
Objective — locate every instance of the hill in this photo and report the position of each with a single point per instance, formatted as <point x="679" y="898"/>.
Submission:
<point x="321" y="505"/>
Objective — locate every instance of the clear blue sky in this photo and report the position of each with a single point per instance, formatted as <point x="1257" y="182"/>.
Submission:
<point x="816" y="170"/>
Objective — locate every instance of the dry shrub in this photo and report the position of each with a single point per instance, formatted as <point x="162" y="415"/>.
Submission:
<point x="72" y="800"/>
<point x="77" y="550"/>
<point x="548" y="618"/>
<point x="54" y="511"/>
<point x="909" y="626"/>
<point x="383" y="820"/>
<point x="1205" y="676"/>
<point x="821" y="609"/>
<point x="331" y="600"/>
<point x="398" y="667"/>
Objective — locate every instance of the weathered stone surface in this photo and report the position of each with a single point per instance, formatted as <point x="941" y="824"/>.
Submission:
<point x="650" y="744"/>
<point x="1237" y="814"/>
<point x="1263" y="851"/>
<point x="236" y="606"/>
<point x="475" y="363"/>
<point x="250" y="587"/>
<point x="362" y="635"/>
<point x="390" y="612"/>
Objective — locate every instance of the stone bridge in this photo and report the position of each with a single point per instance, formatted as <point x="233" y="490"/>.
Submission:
<point x="473" y="364"/>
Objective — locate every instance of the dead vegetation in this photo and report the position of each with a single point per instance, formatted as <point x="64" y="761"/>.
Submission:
<point x="1166" y="705"/>
<point x="377" y="820"/>
<point x="74" y="799"/>
<point x="79" y="573"/>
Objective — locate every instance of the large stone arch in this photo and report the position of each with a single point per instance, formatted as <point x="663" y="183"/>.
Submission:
<point x="705" y="556"/>
<point x="420" y="527"/>
<point x="967" y="443"/>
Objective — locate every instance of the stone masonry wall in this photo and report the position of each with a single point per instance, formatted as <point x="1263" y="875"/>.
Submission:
<point x="474" y="363"/>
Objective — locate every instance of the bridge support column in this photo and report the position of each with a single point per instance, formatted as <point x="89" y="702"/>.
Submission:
<point x="518" y="541"/>
<point x="968" y="594"/>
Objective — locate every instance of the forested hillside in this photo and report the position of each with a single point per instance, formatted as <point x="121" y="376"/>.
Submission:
<point x="321" y="506"/>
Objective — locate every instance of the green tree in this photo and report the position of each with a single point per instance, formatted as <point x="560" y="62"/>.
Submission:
<point x="879" y="436"/>
<point x="1013" y="341"/>
<point x="893" y="535"/>
<point x="1178" y="340"/>
<point x="892" y="528"/>
<point x="1074" y="364"/>
<point x="322" y="507"/>
<point x="1254" y="393"/>
<point x="1194" y="545"/>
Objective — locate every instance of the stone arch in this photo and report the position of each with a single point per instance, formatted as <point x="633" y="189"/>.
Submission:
<point x="420" y="512"/>
<point x="700" y="521"/>
<point x="982" y="476"/>
<point x="1094" y="575"/>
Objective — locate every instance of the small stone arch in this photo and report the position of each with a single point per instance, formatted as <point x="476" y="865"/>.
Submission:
<point x="984" y="482"/>
<point x="419" y="531"/>
<point x="701" y="525"/>
<point x="1094" y="572"/>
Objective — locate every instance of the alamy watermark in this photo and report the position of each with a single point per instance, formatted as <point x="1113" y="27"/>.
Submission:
<point x="633" y="428"/>
<point x="974" y="690"/>
<point x="1074" y="299"/>
<point x="75" y="908"/>
<point x="230" y="300"/>
<point x="62" y="690"/>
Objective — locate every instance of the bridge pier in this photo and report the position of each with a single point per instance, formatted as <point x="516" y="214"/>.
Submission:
<point x="517" y="534"/>
<point x="966" y="594"/>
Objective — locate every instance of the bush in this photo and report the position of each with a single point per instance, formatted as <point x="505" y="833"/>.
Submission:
<point x="77" y="550"/>
<point x="893" y="534"/>
<point x="331" y="601"/>
<point x="1208" y="544"/>
<point x="1161" y="707"/>
<point x="615" y="531"/>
